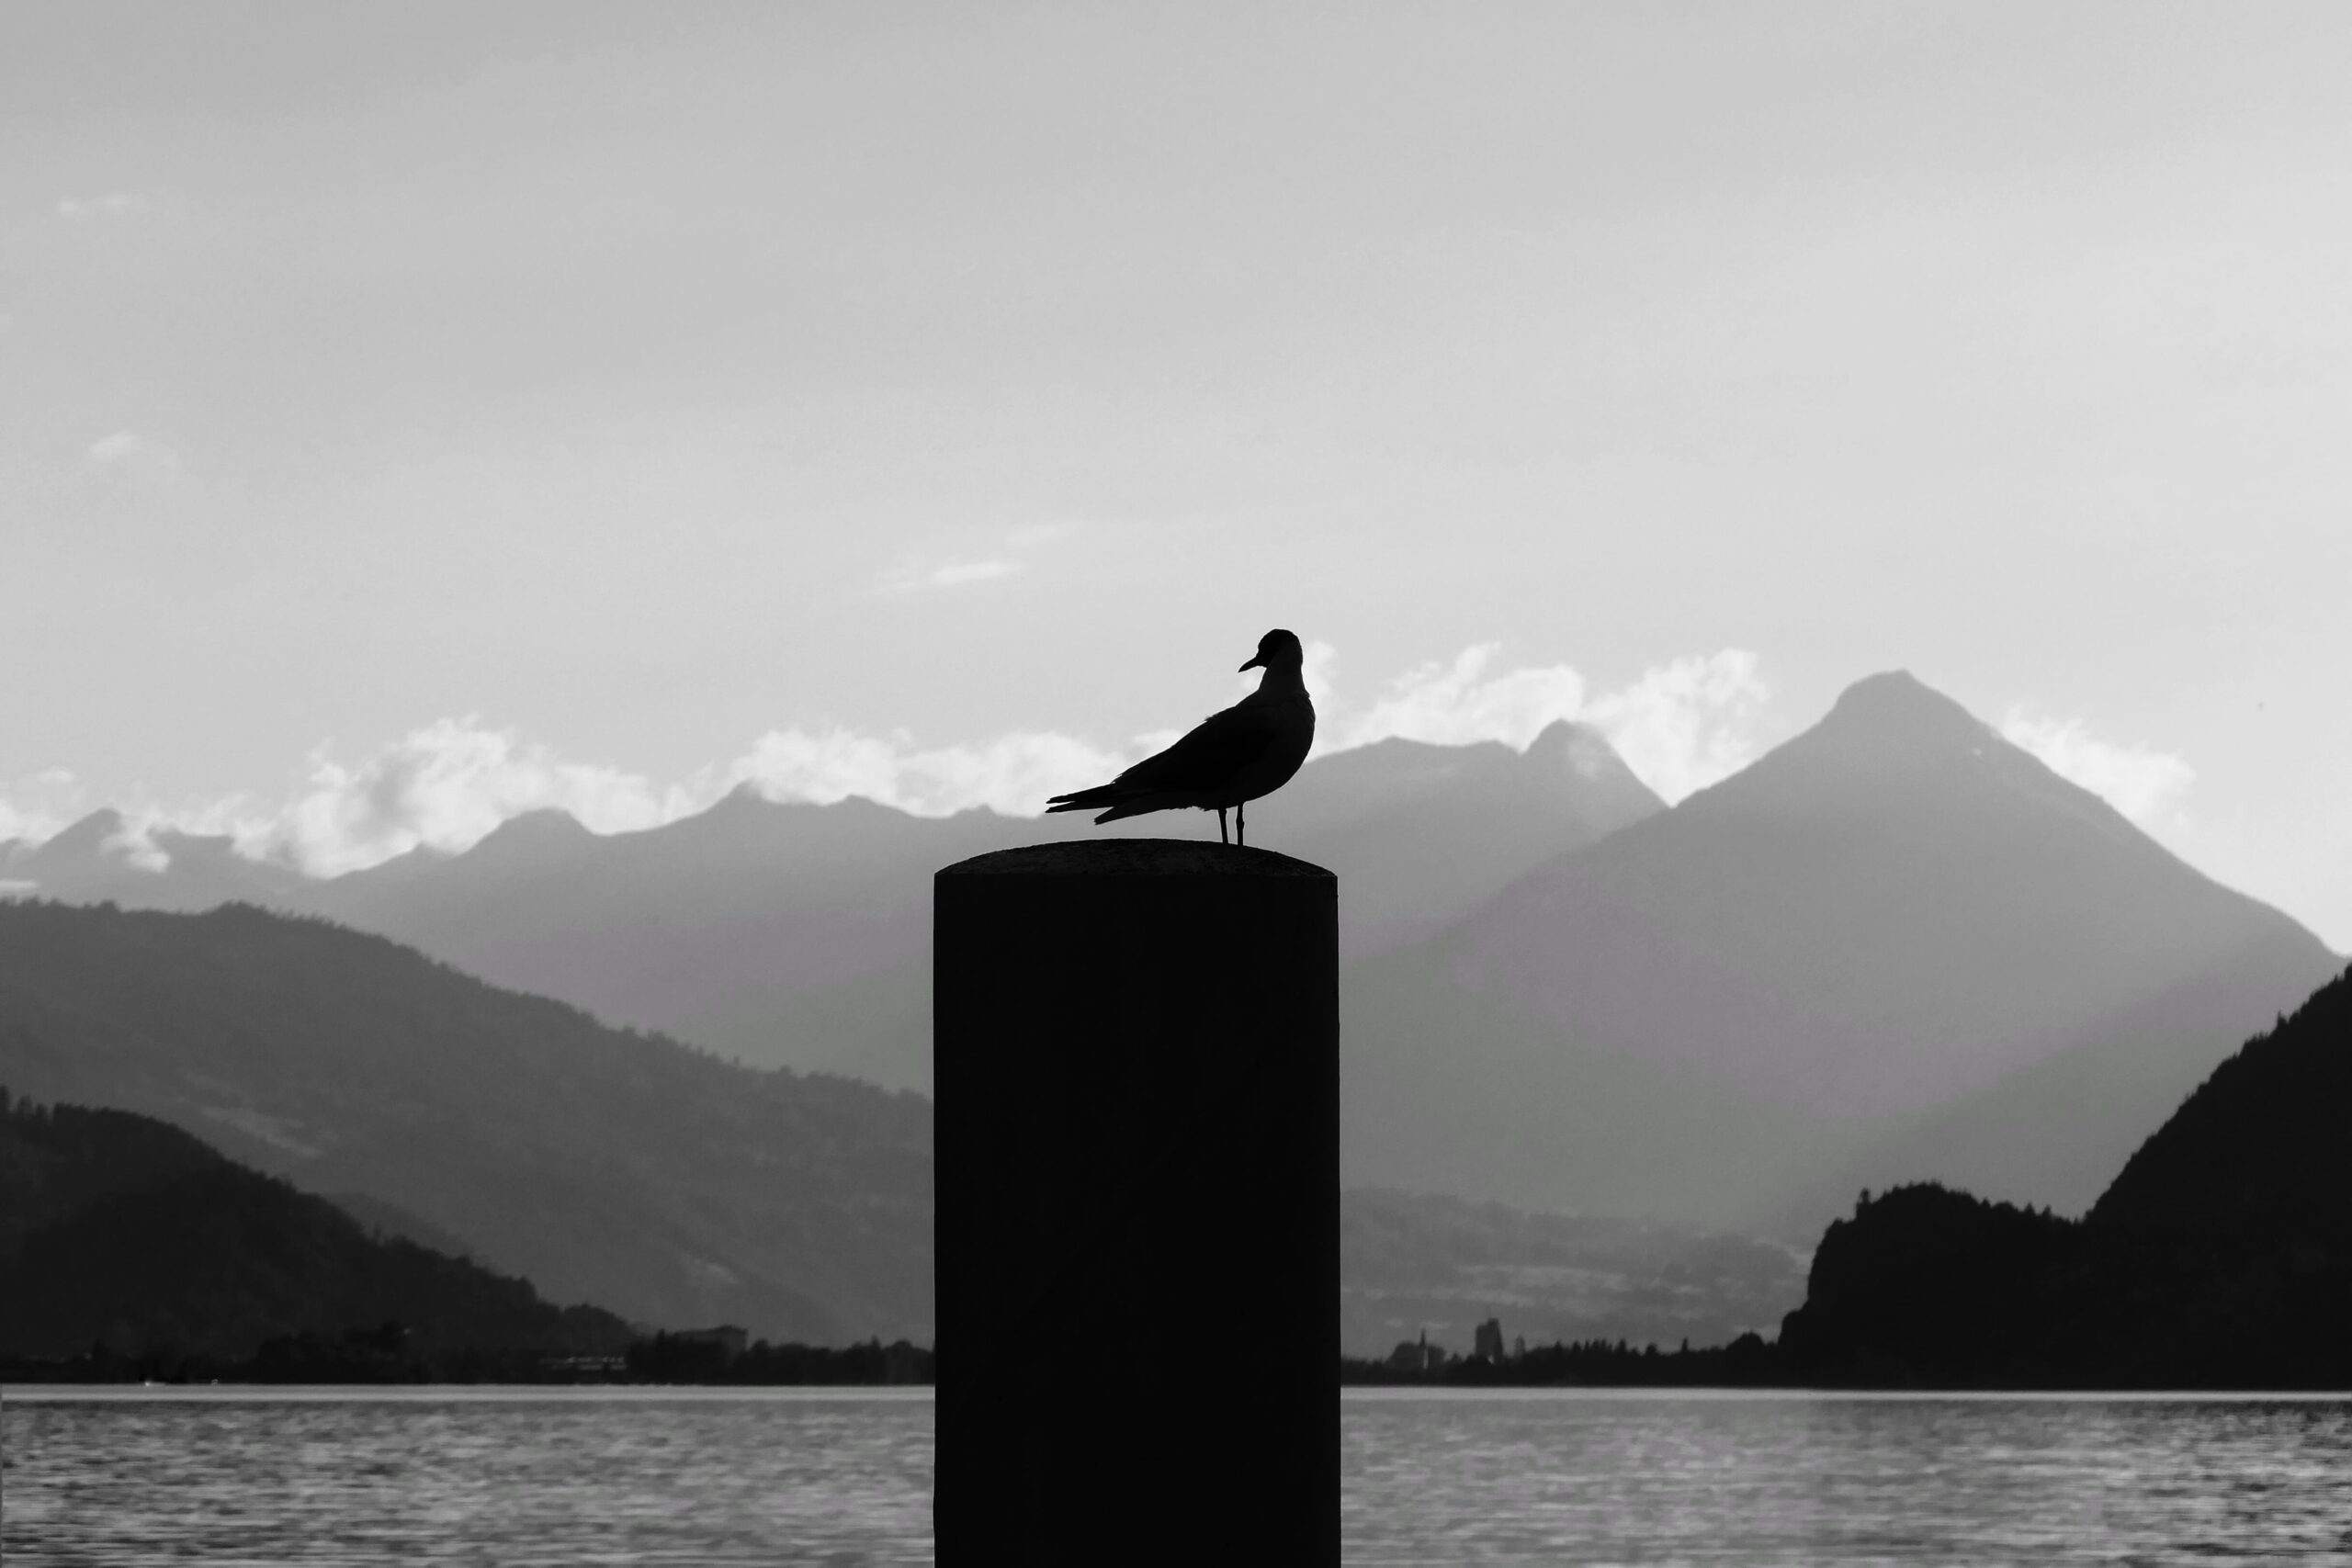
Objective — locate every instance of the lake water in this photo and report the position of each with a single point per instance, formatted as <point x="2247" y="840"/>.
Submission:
<point x="571" y="1478"/>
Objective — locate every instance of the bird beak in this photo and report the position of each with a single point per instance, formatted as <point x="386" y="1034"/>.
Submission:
<point x="1256" y="663"/>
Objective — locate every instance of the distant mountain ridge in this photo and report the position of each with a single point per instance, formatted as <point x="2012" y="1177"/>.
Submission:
<point x="1895" y="946"/>
<point x="89" y="862"/>
<point x="601" y="1165"/>
<point x="1713" y="1012"/>
<point x="795" y="934"/>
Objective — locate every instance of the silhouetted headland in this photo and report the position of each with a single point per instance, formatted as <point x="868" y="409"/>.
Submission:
<point x="2220" y="1258"/>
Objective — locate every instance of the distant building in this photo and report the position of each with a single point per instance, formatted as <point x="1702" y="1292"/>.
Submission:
<point x="1488" y="1344"/>
<point x="1519" y="1348"/>
<point x="1418" y="1356"/>
<point x="728" y="1338"/>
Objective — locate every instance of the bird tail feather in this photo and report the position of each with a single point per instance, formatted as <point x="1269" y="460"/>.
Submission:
<point x="1084" y="799"/>
<point x="1135" y="806"/>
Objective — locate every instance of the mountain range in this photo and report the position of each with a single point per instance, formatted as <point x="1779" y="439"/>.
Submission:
<point x="603" y="1166"/>
<point x="677" y="1189"/>
<point x="1896" y="947"/>
<point x="791" y="934"/>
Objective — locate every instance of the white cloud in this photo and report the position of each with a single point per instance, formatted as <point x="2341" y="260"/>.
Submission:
<point x="1453" y="704"/>
<point x="1681" y="728"/>
<point x="1013" y="774"/>
<point x="955" y="574"/>
<point x="131" y="461"/>
<point x="128" y="446"/>
<point x="1686" y="724"/>
<point x="35" y="806"/>
<point x="922" y="571"/>
<point x="135" y="841"/>
<point x="1319" y="671"/>
<point x="445" y="786"/>
<point x="114" y="204"/>
<point x="911" y="575"/>
<point x="449" y="784"/>
<point x="2145" y="784"/>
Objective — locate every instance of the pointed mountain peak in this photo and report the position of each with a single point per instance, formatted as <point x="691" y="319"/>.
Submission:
<point x="743" y="800"/>
<point x="1564" y="735"/>
<point x="545" y="821"/>
<point x="96" y="827"/>
<point x="1891" y="743"/>
<point x="747" y="800"/>
<point x="1567" y="745"/>
<point x="1890" y="720"/>
<point x="1896" y="707"/>
<point x="1580" y="744"/>
<point x="744" y="815"/>
<point x="548" y="826"/>
<point x="86" y="839"/>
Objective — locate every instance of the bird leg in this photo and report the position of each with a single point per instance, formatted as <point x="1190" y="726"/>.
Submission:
<point x="1220" y="826"/>
<point x="1241" y="823"/>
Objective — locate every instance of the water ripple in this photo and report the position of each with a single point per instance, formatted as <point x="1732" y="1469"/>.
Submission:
<point x="580" y="1479"/>
<point x="1811" y="1481"/>
<point x="452" y="1477"/>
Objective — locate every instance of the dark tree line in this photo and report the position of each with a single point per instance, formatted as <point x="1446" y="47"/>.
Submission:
<point x="673" y="1358"/>
<point x="389" y="1353"/>
<point x="1748" y="1361"/>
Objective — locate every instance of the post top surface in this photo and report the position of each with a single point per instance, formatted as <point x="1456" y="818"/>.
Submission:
<point x="1134" y="857"/>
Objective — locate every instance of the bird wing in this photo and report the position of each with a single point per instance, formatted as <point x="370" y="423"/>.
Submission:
<point x="1208" y="757"/>
<point x="1217" y="750"/>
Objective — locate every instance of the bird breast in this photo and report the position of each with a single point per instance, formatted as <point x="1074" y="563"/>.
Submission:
<point x="1274" y="767"/>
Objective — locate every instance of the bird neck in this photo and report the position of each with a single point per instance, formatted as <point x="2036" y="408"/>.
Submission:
<point x="1282" y="681"/>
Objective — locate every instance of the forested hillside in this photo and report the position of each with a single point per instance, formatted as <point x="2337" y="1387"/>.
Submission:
<point x="599" y="1163"/>
<point x="2222" y="1257"/>
<point x="117" y="1230"/>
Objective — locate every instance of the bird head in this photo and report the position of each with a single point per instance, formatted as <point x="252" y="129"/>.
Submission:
<point x="1278" y="649"/>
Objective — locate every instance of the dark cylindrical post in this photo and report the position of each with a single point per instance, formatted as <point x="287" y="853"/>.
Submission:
<point x="1136" y="1064"/>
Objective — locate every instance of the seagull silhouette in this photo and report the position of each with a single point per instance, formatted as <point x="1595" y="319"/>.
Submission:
<point x="1249" y="750"/>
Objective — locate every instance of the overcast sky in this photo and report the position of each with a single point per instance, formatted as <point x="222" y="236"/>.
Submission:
<point x="409" y="414"/>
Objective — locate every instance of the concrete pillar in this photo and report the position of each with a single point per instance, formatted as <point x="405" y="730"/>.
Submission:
<point x="1137" y="1061"/>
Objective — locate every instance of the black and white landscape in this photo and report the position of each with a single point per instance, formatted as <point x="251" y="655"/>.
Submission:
<point x="630" y="635"/>
<point x="1896" y="948"/>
